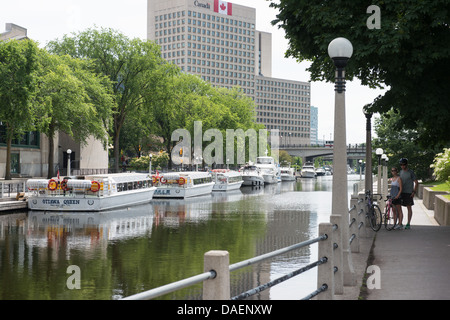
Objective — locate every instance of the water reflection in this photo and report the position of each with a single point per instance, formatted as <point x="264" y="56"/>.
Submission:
<point x="122" y="252"/>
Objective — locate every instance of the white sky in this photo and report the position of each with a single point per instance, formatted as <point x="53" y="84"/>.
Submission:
<point x="47" y="20"/>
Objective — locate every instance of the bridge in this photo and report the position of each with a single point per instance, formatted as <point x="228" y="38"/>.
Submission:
<point x="309" y="152"/>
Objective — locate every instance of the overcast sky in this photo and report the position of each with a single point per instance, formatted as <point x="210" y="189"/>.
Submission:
<point x="47" y="20"/>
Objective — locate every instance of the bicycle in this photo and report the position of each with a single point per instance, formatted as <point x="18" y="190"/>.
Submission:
<point x="390" y="214"/>
<point x="373" y="213"/>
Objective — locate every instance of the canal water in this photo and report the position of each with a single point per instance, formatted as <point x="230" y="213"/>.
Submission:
<point x="118" y="253"/>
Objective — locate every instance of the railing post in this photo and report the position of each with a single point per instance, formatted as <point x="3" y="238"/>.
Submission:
<point x="338" y="256"/>
<point x="219" y="287"/>
<point x="354" y="246"/>
<point x="325" y="272"/>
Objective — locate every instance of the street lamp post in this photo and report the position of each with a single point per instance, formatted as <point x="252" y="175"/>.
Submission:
<point x="69" y="152"/>
<point x="379" y="153"/>
<point x="341" y="50"/>
<point x="368" y="168"/>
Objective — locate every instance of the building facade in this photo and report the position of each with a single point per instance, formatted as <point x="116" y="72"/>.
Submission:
<point x="218" y="41"/>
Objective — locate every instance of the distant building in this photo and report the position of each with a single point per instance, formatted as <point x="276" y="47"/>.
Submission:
<point x="29" y="153"/>
<point x="218" y="41"/>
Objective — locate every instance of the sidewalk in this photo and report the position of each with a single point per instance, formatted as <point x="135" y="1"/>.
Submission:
<point x="414" y="264"/>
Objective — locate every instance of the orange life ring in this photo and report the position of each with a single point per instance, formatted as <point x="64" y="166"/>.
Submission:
<point x="52" y="185"/>
<point x="181" y="181"/>
<point x="163" y="180"/>
<point x="64" y="185"/>
<point x="95" y="186"/>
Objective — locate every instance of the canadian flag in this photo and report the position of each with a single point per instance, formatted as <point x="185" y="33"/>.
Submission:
<point x="223" y="7"/>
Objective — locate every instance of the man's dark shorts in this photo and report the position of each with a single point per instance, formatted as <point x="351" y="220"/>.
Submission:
<point x="407" y="200"/>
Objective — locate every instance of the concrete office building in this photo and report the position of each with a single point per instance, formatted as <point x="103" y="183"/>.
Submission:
<point x="218" y="41"/>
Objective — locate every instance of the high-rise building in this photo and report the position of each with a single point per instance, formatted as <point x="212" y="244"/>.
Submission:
<point x="218" y="41"/>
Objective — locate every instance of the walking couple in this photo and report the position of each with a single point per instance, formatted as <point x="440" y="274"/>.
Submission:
<point x="403" y="188"/>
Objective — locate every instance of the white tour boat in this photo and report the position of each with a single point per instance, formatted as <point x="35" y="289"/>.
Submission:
<point x="268" y="169"/>
<point x="226" y="180"/>
<point x="287" y="174"/>
<point x="93" y="193"/>
<point x="308" y="170"/>
<point x="252" y="175"/>
<point x="183" y="184"/>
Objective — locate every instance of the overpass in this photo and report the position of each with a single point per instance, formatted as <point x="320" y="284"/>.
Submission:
<point x="309" y="152"/>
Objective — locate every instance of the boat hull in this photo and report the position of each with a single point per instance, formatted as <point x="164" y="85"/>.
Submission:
<point x="227" y="186"/>
<point x="308" y="174"/>
<point x="90" y="203"/>
<point x="287" y="177"/>
<point x="181" y="192"/>
<point x="250" y="180"/>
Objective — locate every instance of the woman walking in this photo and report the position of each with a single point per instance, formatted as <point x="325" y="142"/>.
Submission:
<point x="396" y="191"/>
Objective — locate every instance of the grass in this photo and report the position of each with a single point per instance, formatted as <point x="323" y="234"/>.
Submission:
<point x="441" y="186"/>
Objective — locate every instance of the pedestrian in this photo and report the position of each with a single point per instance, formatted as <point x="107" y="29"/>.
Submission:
<point x="409" y="184"/>
<point x="396" y="192"/>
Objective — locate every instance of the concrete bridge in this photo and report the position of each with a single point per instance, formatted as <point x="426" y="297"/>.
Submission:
<point x="308" y="152"/>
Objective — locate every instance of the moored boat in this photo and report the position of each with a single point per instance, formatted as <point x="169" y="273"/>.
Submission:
<point x="252" y="175"/>
<point x="92" y="193"/>
<point x="226" y="180"/>
<point x="183" y="184"/>
<point x="308" y="170"/>
<point x="268" y="169"/>
<point x="287" y="174"/>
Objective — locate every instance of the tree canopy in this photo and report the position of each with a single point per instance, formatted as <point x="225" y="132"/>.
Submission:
<point x="409" y="54"/>
<point x="18" y="79"/>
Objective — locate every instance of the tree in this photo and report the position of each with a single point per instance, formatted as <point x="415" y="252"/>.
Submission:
<point x="408" y="54"/>
<point x="18" y="67"/>
<point x="399" y="142"/>
<point x="131" y="65"/>
<point x="71" y="99"/>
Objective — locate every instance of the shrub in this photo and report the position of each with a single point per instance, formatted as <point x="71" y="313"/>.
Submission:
<point x="441" y="166"/>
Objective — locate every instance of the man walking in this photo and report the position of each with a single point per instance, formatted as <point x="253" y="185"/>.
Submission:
<point x="410" y="184"/>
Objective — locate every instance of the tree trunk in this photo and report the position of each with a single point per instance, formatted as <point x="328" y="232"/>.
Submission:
<point x="116" y="151"/>
<point x="51" y="157"/>
<point x="8" y="159"/>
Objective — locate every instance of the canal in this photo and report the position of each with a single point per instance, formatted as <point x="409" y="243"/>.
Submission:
<point x="123" y="252"/>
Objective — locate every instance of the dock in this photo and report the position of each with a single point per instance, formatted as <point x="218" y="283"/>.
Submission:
<point x="13" y="204"/>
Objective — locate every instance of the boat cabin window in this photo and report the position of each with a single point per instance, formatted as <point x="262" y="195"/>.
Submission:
<point x="134" y="185"/>
<point x="202" y="180"/>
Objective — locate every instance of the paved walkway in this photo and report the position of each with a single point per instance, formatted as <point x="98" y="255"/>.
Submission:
<point x="414" y="264"/>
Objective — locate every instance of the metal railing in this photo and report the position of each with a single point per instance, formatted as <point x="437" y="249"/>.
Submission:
<point x="10" y="189"/>
<point x="332" y="274"/>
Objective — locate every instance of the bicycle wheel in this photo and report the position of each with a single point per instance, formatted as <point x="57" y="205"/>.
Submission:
<point x="389" y="220"/>
<point x="375" y="218"/>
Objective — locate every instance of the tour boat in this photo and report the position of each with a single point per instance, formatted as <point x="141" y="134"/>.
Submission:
<point x="268" y="169"/>
<point x="226" y="180"/>
<point x="183" y="184"/>
<point x="287" y="174"/>
<point x="252" y="175"/>
<point x="92" y="193"/>
<point x="308" y="170"/>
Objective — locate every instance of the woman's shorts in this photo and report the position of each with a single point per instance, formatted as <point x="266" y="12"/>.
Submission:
<point x="407" y="200"/>
<point x="397" y="201"/>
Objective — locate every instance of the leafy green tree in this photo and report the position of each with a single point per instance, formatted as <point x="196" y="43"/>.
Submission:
<point x="398" y="142"/>
<point x="71" y="99"/>
<point x="408" y="54"/>
<point x="18" y="68"/>
<point x="131" y="65"/>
